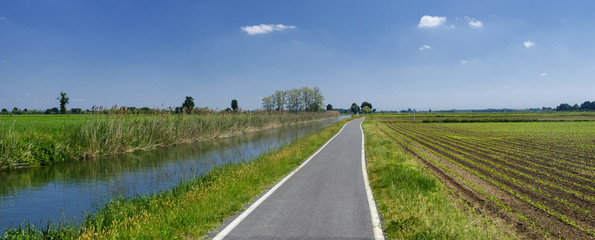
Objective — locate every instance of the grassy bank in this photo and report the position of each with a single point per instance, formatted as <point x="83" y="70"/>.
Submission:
<point x="193" y="208"/>
<point x="41" y="140"/>
<point x="411" y="201"/>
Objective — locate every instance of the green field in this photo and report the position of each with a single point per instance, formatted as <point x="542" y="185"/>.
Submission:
<point x="32" y="140"/>
<point x="412" y="202"/>
<point x="536" y="176"/>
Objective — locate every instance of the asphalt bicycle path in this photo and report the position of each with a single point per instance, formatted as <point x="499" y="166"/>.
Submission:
<point x="326" y="197"/>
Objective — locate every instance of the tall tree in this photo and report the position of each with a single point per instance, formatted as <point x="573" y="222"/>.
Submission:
<point x="306" y="97"/>
<point x="188" y="104"/>
<point x="354" y="108"/>
<point x="586" y="106"/>
<point x="317" y="96"/>
<point x="268" y="104"/>
<point x="564" y="107"/>
<point x="314" y="107"/>
<point x="234" y="105"/>
<point x="366" y="109"/>
<point x="279" y="100"/>
<point x="329" y="107"/>
<point x="366" y="104"/>
<point x="294" y="100"/>
<point x="63" y="101"/>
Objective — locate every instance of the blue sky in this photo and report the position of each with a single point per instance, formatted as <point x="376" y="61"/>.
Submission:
<point x="394" y="54"/>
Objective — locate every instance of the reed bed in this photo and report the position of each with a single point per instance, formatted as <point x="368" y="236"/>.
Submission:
<point x="33" y="142"/>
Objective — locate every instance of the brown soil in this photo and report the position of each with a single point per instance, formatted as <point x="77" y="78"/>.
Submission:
<point x="439" y="156"/>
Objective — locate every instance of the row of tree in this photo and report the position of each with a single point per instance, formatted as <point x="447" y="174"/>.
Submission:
<point x="295" y="100"/>
<point x="366" y="107"/>
<point x="16" y="111"/>
<point x="187" y="107"/>
<point x="586" y="106"/>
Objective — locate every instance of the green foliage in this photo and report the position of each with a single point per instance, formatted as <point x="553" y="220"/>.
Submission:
<point x="295" y="100"/>
<point x="52" y="111"/>
<point x="50" y="231"/>
<point x="63" y="101"/>
<point x="76" y="111"/>
<point x="366" y="109"/>
<point x="586" y="106"/>
<point x="366" y="104"/>
<point x="354" y="108"/>
<point x="234" y="105"/>
<point x="314" y="107"/>
<point x="329" y="107"/>
<point x="188" y="104"/>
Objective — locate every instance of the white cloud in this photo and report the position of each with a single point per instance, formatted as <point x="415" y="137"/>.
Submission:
<point x="463" y="61"/>
<point x="474" y="22"/>
<point x="529" y="44"/>
<point x="265" y="28"/>
<point x="431" y="21"/>
<point x="543" y="74"/>
<point x="424" y="47"/>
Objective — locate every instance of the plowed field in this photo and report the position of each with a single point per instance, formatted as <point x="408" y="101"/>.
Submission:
<point x="538" y="176"/>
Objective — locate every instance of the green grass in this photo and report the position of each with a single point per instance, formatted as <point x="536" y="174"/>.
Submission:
<point x="193" y="208"/>
<point x="41" y="139"/>
<point x="412" y="202"/>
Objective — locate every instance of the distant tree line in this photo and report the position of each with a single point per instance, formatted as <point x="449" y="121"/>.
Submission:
<point x="95" y="110"/>
<point x="586" y="106"/>
<point x="295" y="100"/>
<point x="188" y="107"/>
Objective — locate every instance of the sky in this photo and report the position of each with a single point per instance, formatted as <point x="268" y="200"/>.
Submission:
<point x="396" y="55"/>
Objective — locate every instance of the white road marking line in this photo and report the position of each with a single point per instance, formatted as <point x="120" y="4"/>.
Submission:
<point x="378" y="235"/>
<point x="245" y="214"/>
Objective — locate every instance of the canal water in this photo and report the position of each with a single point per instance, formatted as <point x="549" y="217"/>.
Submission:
<point x="65" y="192"/>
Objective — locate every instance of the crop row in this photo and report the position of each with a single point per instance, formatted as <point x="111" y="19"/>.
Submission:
<point x="552" y="164"/>
<point x="410" y="146"/>
<point x="560" y="155"/>
<point x="572" y="201"/>
<point x="518" y="159"/>
<point x="494" y="169"/>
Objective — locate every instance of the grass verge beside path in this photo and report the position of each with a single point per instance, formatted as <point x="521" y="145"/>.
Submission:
<point x="193" y="208"/>
<point x="413" y="204"/>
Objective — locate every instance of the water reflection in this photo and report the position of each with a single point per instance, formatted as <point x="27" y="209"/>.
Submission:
<point x="68" y="190"/>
